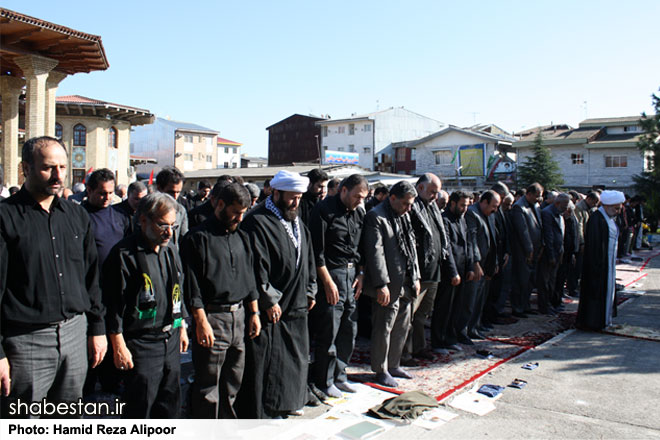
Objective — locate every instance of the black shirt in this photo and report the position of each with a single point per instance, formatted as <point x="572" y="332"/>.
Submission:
<point x="199" y="214"/>
<point x="336" y="233"/>
<point x="123" y="281"/>
<point x="48" y="265"/>
<point x="218" y="266"/>
<point x="306" y="206"/>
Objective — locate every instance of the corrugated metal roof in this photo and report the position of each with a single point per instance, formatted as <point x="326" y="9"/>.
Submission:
<point x="187" y="126"/>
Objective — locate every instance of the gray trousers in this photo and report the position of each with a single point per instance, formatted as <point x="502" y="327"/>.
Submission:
<point x="219" y="369"/>
<point x="422" y="308"/>
<point x="336" y="330"/>
<point x="390" y="327"/>
<point x="48" y="362"/>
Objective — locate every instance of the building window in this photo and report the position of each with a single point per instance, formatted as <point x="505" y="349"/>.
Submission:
<point x="235" y="150"/>
<point x="632" y="128"/>
<point x="188" y="138"/>
<point x="400" y="154"/>
<point x="226" y="150"/>
<point x="325" y="131"/>
<point x="341" y="129"/>
<point x="226" y="164"/>
<point x="112" y="137"/>
<point x="78" y="176"/>
<point x="79" y="135"/>
<point x="351" y="148"/>
<point x="209" y="158"/>
<point x="367" y="127"/>
<point x="366" y="150"/>
<point x="442" y="157"/>
<point x="616" y="161"/>
<point x="351" y="129"/>
<point x="413" y="154"/>
<point x="234" y="165"/>
<point x="577" y="159"/>
<point x="58" y="131"/>
<point x="340" y="149"/>
<point x="188" y="157"/>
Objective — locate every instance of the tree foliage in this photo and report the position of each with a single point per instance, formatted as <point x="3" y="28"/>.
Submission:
<point x="648" y="182"/>
<point x="540" y="167"/>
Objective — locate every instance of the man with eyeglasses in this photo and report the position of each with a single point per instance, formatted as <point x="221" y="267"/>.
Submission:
<point x="142" y="291"/>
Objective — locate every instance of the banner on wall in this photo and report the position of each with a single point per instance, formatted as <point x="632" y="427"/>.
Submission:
<point x="342" y="157"/>
<point x="471" y="158"/>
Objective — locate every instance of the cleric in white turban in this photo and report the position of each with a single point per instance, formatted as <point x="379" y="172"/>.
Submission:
<point x="288" y="181"/>
<point x="276" y="361"/>
<point x="597" y="299"/>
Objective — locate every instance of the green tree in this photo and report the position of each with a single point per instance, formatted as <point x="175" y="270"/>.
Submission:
<point x="647" y="183"/>
<point x="540" y="167"/>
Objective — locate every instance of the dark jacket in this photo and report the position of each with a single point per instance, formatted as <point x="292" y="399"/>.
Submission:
<point x="526" y="236"/>
<point x="553" y="233"/>
<point x="461" y="249"/>
<point x="482" y="231"/>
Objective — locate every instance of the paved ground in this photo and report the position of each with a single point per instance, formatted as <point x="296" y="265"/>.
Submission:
<point x="588" y="385"/>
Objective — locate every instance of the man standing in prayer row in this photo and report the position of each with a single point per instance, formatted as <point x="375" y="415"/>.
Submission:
<point x="336" y="229"/>
<point x="275" y="382"/>
<point x="597" y="299"/>
<point x="222" y="298"/>
<point x="318" y="179"/>
<point x="391" y="280"/>
<point x="50" y="301"/>
<point x="142" y="291"/>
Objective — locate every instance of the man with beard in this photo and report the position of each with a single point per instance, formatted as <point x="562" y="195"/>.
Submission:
<point x="203" y="193"/>
<point x="219" y="286"/>
<point x="128" y="207"/>
<point x="275" y="380"/>
<point x="597" y="299"/>
<point x="391" y="280"/>
<point x="49" y="295"/>
<point x="449" y="299"/>
<point x="170" y="181"/>
<point x="142" y="291"/>
<point x="318" y="180"/>
<point x="336" y="230"/>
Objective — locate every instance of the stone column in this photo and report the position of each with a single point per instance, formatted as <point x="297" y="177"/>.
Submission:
<point x="53" y="81"/>
<point x="10" y="89"/>
<point x="35" y="70"/>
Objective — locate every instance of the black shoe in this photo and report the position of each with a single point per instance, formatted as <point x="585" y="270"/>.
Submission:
<point x="424" y="354"/>
<point x="464" y="340"/>
<point x="519" y="315"/>
<point x="485" y="328"/>
<point x="474" y="334"/>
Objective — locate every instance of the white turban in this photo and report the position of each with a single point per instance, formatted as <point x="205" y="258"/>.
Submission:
<point x="288" y="181"/>
<point x="612" y="197"/>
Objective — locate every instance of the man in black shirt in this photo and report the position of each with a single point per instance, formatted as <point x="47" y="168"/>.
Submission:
<point x="170" y="181"/>
<point x="380" y="193"/>
<point x="318" y="179"/>
<point x="49" y="294"/>
<point x="220" y="285"/>
<point x="203" y="193"/>
<point x="336" y="228"/>
<point x="142" y="292"/>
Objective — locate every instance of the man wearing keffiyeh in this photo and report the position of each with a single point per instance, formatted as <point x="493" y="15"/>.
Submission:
<point x="392" y="279"/>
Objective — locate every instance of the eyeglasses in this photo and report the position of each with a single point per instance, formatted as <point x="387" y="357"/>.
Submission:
<point x="166" y="227"/>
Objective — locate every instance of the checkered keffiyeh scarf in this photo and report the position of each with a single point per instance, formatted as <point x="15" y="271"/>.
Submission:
<point x="294" y="233"/>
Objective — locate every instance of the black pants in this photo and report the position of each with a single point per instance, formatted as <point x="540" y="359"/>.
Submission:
<point x="547" y="275"/>
<point x="521" y="287"/>
<point x="336" y="329"/>
<point x="152" y="386"/>
<point x="444" y="309"/>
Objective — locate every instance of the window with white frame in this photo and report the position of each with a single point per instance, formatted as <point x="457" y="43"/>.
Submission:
<point x="366" y="150"/>
<point x="413" y="154"/>
<point x="616" y="161"/>
<point x="351" y="129"/>
<point x="341" y="129"/>
<point x="188" y="157"/>
<point x="351" y="148"/>
<point x="577" y="158"/>
<point x="325" y="131"/>
<point x="188" y="138"/>
<point x="442" y="157"/>
<point x="209" y="158"/>
<point x="367" y="127"/>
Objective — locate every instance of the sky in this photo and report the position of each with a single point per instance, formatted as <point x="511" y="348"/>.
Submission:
<point x="240" y="66"/>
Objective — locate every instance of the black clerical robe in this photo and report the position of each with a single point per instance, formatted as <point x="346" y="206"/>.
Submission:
<point x="275" y="379"/>
<point x="595" y="273"/>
